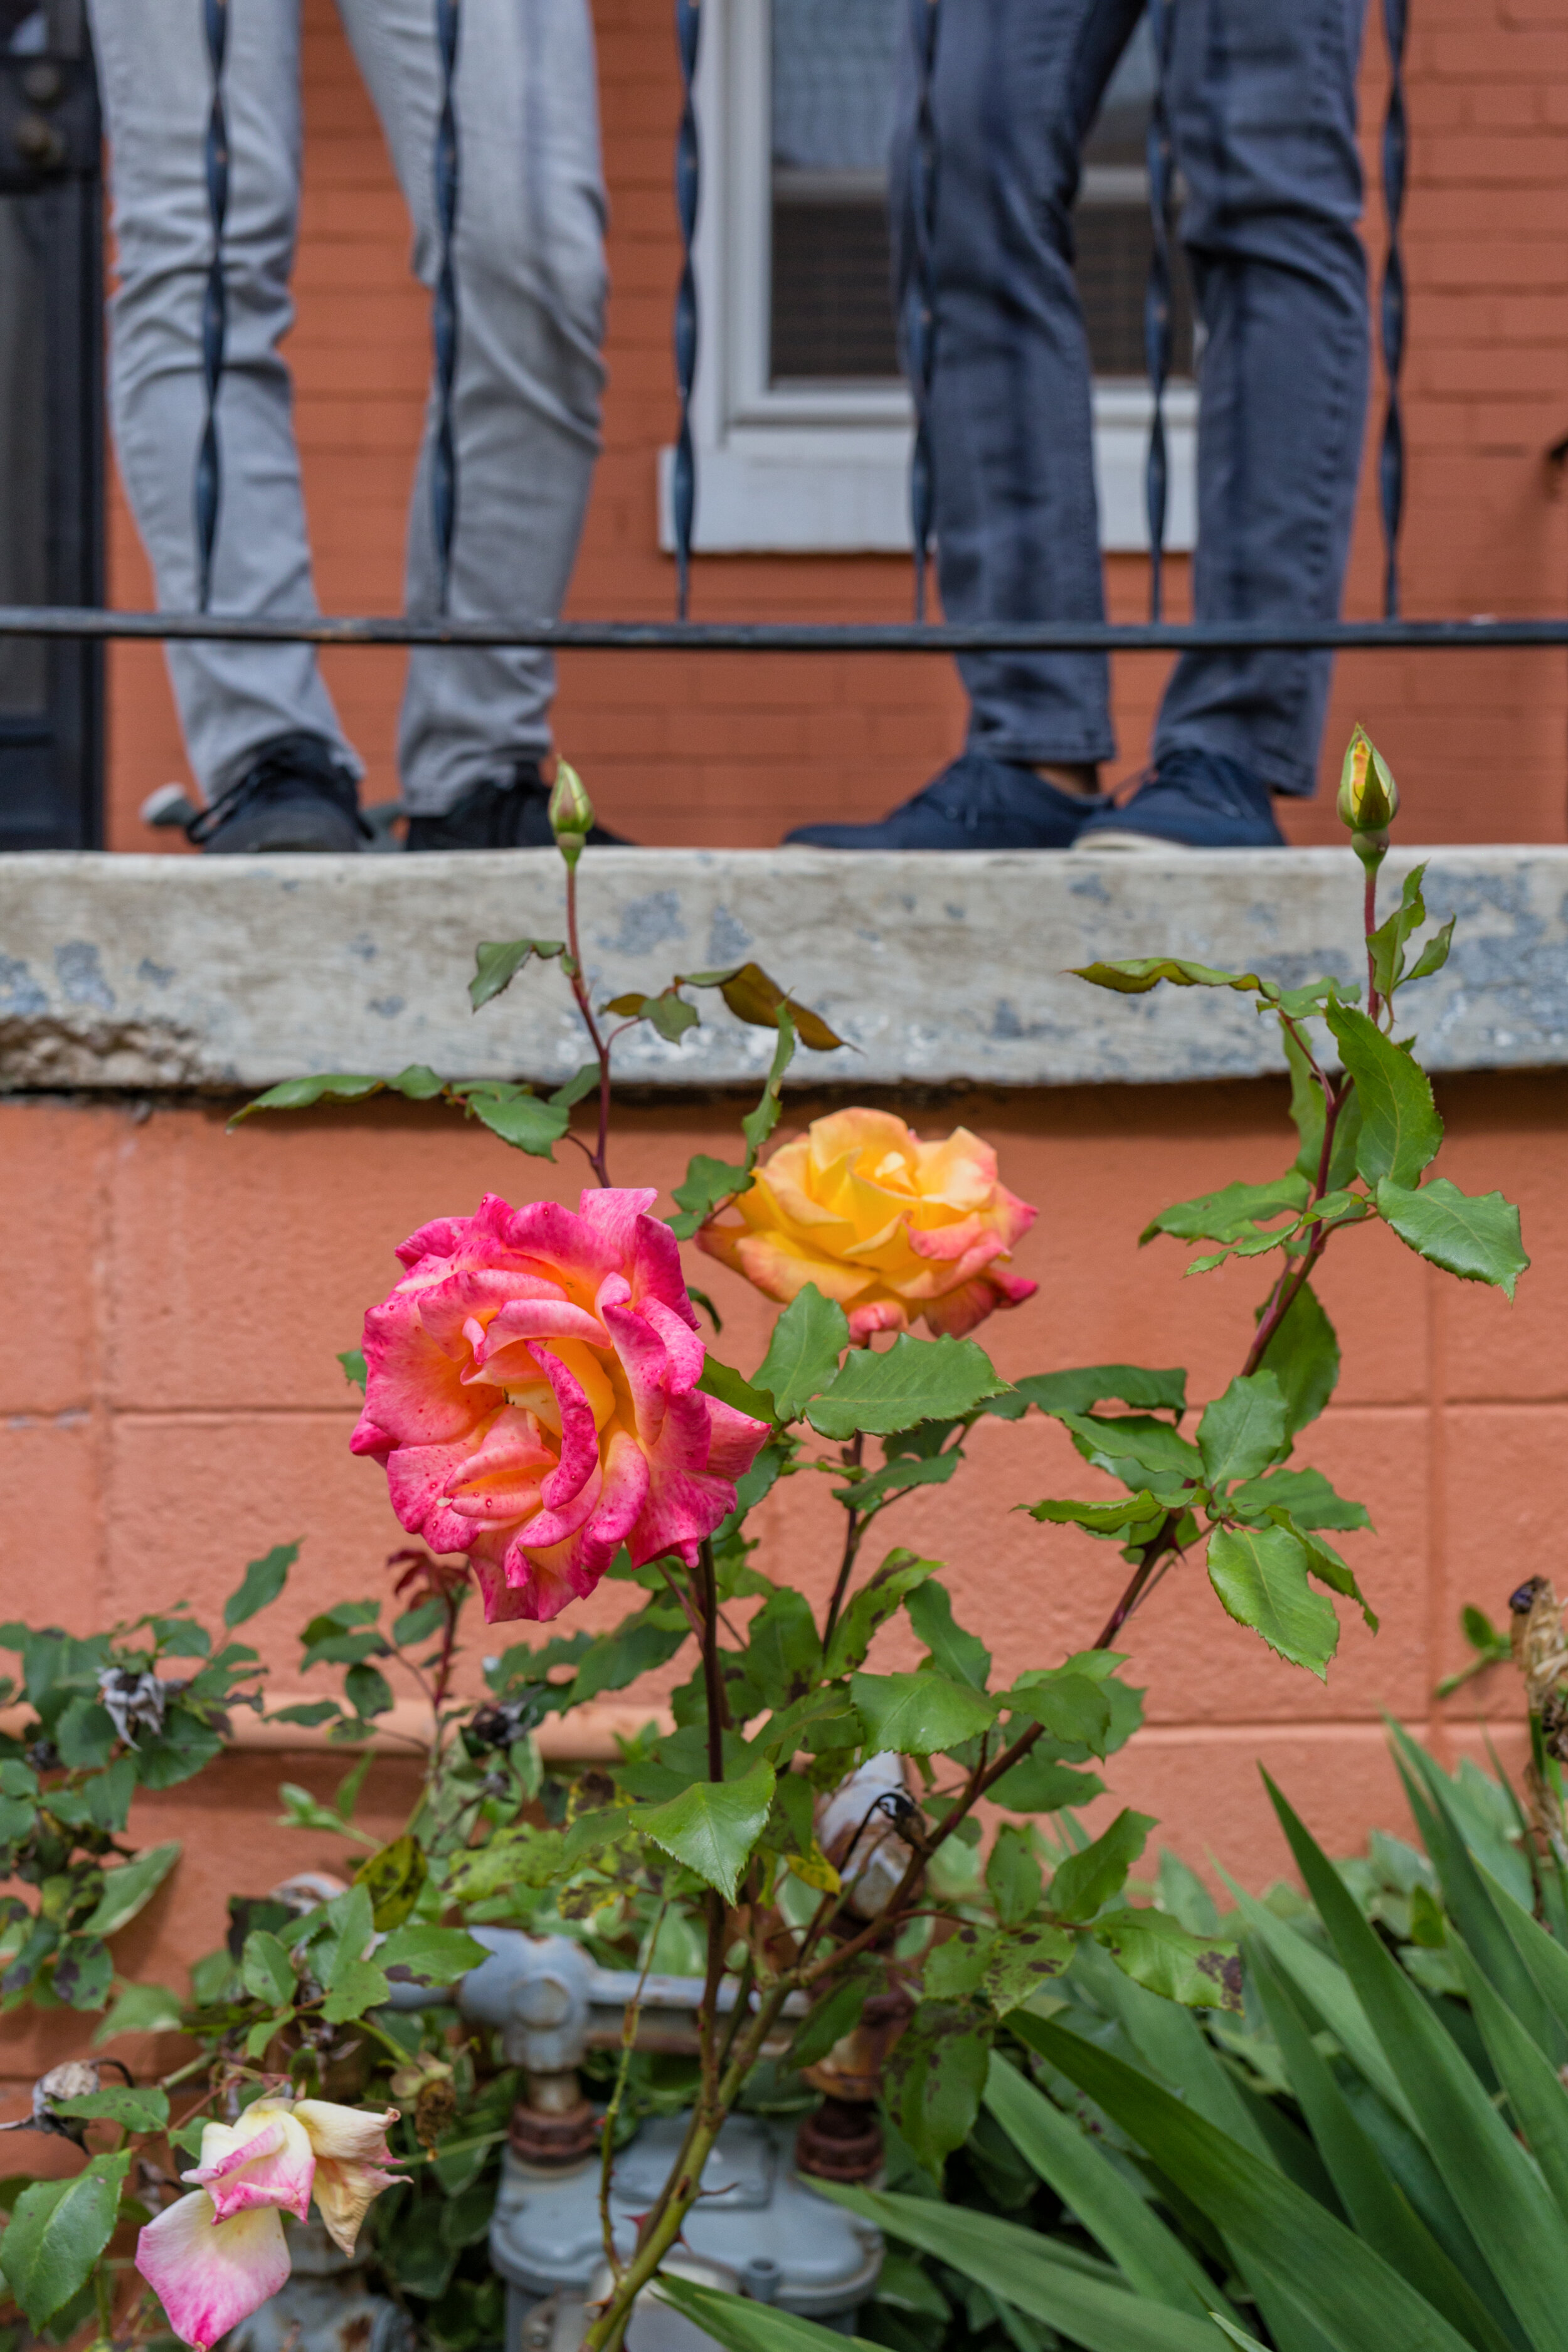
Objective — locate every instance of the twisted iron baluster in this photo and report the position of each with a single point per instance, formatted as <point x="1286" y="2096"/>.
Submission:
<point x="1157" y="302"/>
<point x="444" y="312"/>
<point x="1391" y="456"/>
<point x="920" y="319"/>
<point x="214" y="306"/>
<point x="688" y="189"/>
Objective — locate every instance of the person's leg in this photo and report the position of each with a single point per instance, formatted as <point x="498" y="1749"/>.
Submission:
<point x="531" y="294"/>
<point x="234" y="700"/>
<point x="1263" y="118"/>
<point x="1015" y="88"/>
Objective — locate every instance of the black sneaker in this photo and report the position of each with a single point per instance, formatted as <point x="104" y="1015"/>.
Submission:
<point x="510" y="812"/>
<point x="978" y="802"/>
<point x="1192" y="800"/>
<point x="296" y="795"/>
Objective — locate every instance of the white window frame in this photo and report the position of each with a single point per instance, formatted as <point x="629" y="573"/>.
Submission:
<point x="824" y="468"/>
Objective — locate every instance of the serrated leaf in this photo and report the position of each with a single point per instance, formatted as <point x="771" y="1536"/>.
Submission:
<point x="897" y="1477"/>
<point x="1084" y="1882"/>
<point x="752" y="997"/>
<point x="962" y="1658"/>
<point x="912" y="1380"/>
<point x="1140" y="1451"/>
<point x="722" y="1382"/>
<point x="354" y="1368"/>
<point x="1260" y="1576"/>
<point x="56" y="2231"/>
<point x="420" y="1954"/>
<point x="783" y="1651"/>
<point x="1305" y="1493"/>
<point x="519" y="1116"/>
<point x="1012" y="1877"/>
<point x="1136" y="975"/>
<point x="1325" y="1562"/>
<point x="1039" y="1784"/>
<point x="707" y="1185"/>
<point x="1144" y="1388"/>
<point x="263" y="1580"/>
<point x="713" y="1826"/>
<point x="1434" y="955"/>
<point x="1232" y="1211"/>
<point x="126" y="1889"/>
<point x="497" y="964"/>
<point x="140" y="2008"/>
<point x="1303" y="1355"/>
<point x="1074" y="1708"/>
<point x="1386" y="946"/>
<point x="302" y="1094"/>
<point x="1475" y="1236"/>
<point x="127" y="2103"/>
<point x="1134" y="1515"/>
<point x="1244" y="1430"/>
<point x="1157" y="1951"/>
<point x="935" y="2076"/>
<point x="356" y="1985"/>
<point x="1400" y="1129"/>
<point x="831" y="2016"/>
<point x="920" y="1714"/>
<point x="802" y="1357"/>
<point x="266" y="1970"/>
<point x="901" y="1574"/>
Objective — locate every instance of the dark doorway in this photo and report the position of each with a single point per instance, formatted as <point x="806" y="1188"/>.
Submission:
<point x="51" y="422"/>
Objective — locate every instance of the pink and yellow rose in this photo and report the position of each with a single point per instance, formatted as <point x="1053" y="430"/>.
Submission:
<point x="215" y="2256"/>
<point x="532" y="1390"/>
<point x="893" y="1228"/>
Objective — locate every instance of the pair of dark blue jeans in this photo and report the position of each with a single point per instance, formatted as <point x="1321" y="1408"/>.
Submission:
<point x="1261" y="96"/>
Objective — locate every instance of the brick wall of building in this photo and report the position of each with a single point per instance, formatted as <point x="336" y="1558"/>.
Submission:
<point x="733" y="750"/>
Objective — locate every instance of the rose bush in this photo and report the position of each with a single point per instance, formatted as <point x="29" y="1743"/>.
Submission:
<point x="213" y="2256"/>
<point x="893" y="1228"/>
<point x="532" y="1390"/>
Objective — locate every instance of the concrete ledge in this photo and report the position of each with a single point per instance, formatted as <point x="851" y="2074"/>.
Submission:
<point x="224" y="975"/>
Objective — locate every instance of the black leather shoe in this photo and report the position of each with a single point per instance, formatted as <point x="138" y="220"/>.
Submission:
<point x="296" y="795"/>
<point x="978" y="802"/>
<point x="501" y="812"/>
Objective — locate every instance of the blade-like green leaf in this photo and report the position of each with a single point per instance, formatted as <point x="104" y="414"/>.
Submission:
<point x="1490" y="2179"/>
<point x="263" y="1580"/>
<point x="1243" y="1431"/>
<point x="1533" y="2085"/>
<point x="1400" y="1129"/>
<point x="125" y="1890"/>
<point x="1543" y="1956"/>
<point x="808" y="1340"/>
<point x="1056" y="2147"/>
<point x="920" y="1714"/>
<point x="58" y="2230"/>
<point x="741" y="2325"/>
<point x="1025" y="2267"/>
<point x="1260" y="1576"/>
<point x="1375" y="2204"/>
<point x="912" y="1380"/>
<point x="1341" y="2286"/>
<point x="713" y="1826"/>
<point x="1474" y="1236"/>
<point x="1170" y="2041"/>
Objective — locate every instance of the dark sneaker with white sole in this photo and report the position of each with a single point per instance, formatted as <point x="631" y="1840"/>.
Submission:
<point x="978" y="802"/>
<point x="510" y="812"/>
<point x="1191" y="800"/>
<point x="296" y="795"/>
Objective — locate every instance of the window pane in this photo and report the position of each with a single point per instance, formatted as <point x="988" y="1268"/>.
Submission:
<point x="832" y="312"/>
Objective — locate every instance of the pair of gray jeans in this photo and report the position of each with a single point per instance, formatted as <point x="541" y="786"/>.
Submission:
<point x="531" y="277"/>
<point x="1262" y="103"/>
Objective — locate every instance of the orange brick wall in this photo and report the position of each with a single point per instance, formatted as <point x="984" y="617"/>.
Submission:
<point x="170" y="1407"/>
<point x="733" y="750"/>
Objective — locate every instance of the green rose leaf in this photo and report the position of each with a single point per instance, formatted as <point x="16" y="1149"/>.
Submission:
<point x="1134" y="1517"/>
<point x="266" y="1970"/>
<point x="1012" y="1877"/>
<point x="920" y="1714"/>
<point x="1071" y="1706"/>
<point x="125" y="1890"/>
<point x="1476" y="1237"/>
<point x="136" y="2109"/>
<point x="141" y="2009"/>
<point x="1304" y="1357"/>
<point x="829" y="2018"/>
<point x="722" y="1381"/>
<point x="962" y="1658"/>
<point x="1085" y="1883"/>
<point x="1136" y="975"/>
<point x="58" y="2230"/>
<point x="635" y="1646"/>
<point x="1021" y="1960"/>
<point x="758" y="1124"/>
<point x="1157" y="1951"/>
<point x="1141" y="1452"/>
<point x="264" y="1579"/>
<point x="901" y="1574"/>
<point x="497" y="964"/>
<point x="936" y="2073"/>
<point x="356" y="1985"/>
<point x="1039" y="1784"/>
<point x="713" y="1826"/>
<point x="1260" y="1576"/>
<point x="419" y="1954"/>
<point x="1231" y="1213"/>
<point x="707" y="1185"/>
<point x="912" y="1380"/>
<point x="1144" y="1389"/>
<point x="517" y="1115"/>
<point x="897" y="1477"/>
<point x="1305" y="1493"/>
<point x="1244" y="1430"/>
<point x="393" y="1875"/>
<point x="803" y="1356"/>
<point x="783" y="1651"/>
<point x="1400" y="1129"/>
<point x="1325" y="1562"/>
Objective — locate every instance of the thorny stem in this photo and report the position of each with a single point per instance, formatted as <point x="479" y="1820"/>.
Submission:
<point x="599" y="1157"/>
<point x="852" y="1535"/>
<point x="612" y="2113"/>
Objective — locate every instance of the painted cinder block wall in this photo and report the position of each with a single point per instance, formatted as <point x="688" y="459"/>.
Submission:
<point x="170" y="1406"/>
<point x="731" y="749"/>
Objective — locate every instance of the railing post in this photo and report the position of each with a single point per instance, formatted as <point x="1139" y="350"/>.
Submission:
<point x="688" y="190"/>
<point x="919" y="317"/>
<point x="214" y="306"/>
<point x="444" y="308"/>
<point x="1391" y="455"/>
<point x="1157" y="302"/>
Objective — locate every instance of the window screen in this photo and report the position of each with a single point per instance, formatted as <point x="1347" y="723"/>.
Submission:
<point x="833" y="64"/>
